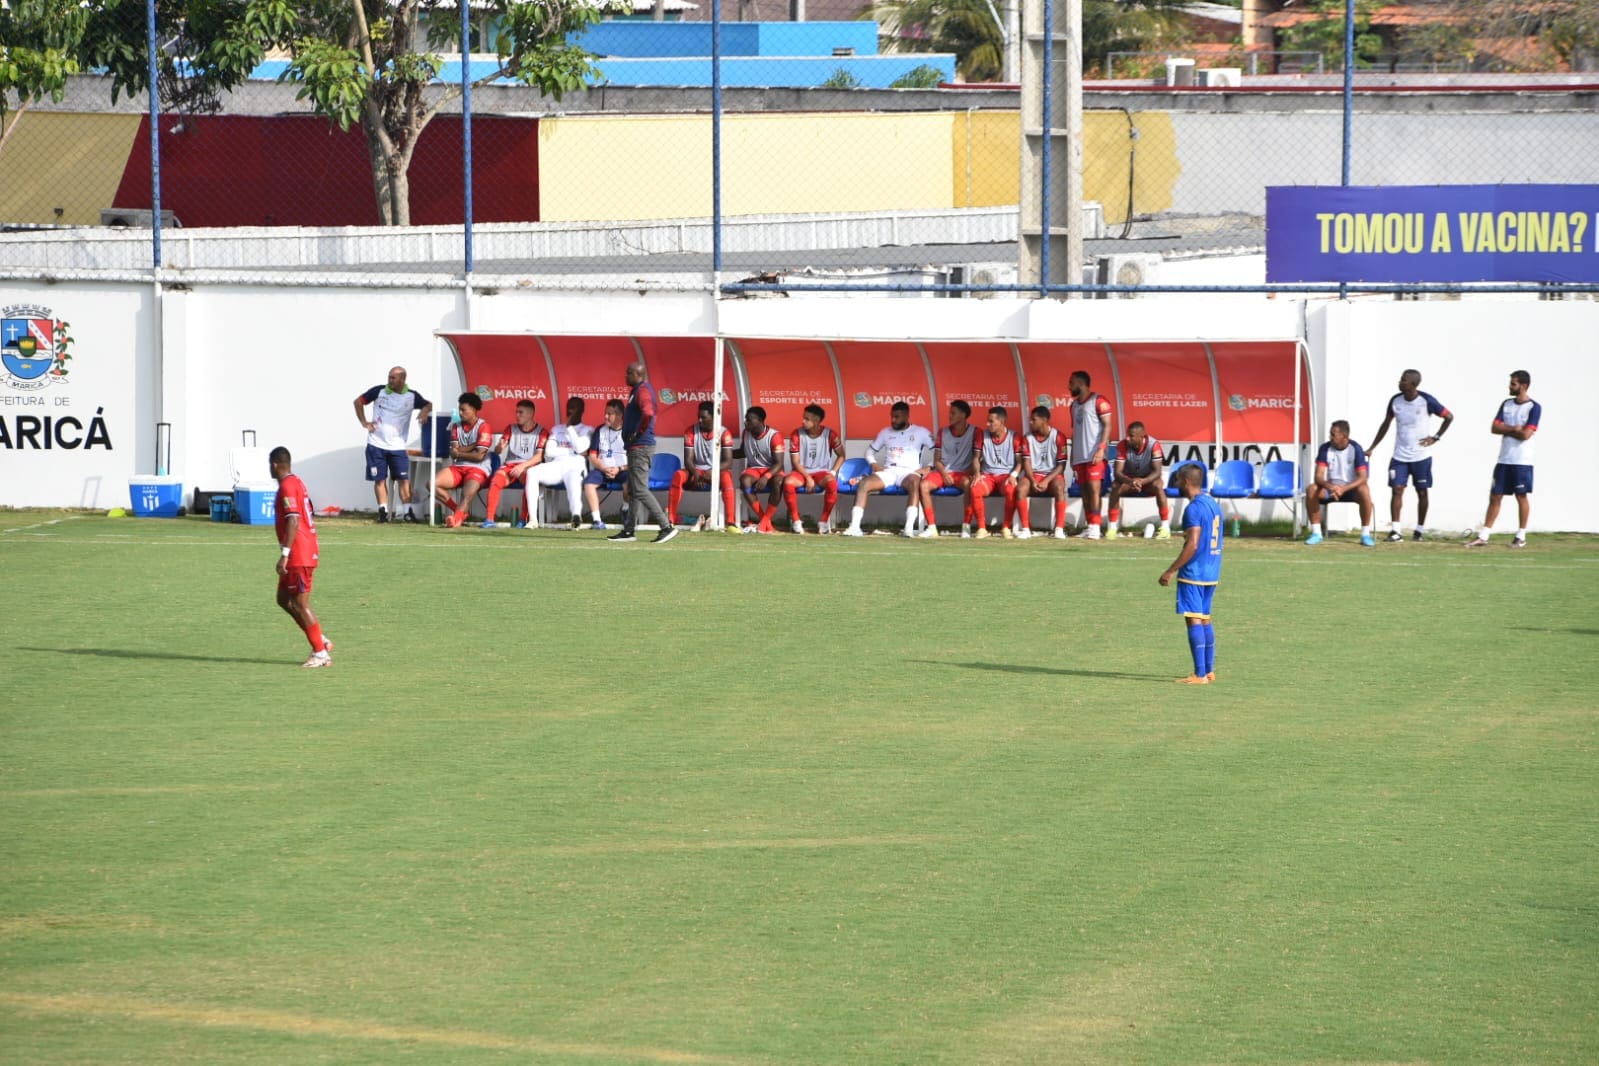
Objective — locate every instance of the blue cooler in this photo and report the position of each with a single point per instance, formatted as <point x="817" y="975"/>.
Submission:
<point x="254" y="493"/>
<point x="156" y="496"/>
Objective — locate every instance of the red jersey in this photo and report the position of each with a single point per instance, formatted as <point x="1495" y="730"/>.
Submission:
<point x="292" y="499"/>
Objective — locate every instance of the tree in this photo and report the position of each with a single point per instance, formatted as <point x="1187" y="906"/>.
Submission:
<point x="39" y="41"/>
<point x="370" y="63"/>
<point x="973" y="30"/>
<point x="1564" y="31"/>
<point x="1326" y="33"/>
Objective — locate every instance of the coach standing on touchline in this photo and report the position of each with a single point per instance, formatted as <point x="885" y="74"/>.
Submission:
<point x="638" y="434"/>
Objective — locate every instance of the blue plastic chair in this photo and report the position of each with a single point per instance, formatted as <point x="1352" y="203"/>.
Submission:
<point x="1171" y="481"/>
<point x="851" y="473"/>
<point x="1235" y="480"/>
<point x="1279" y="480"/>
<point x="662" y="470"/>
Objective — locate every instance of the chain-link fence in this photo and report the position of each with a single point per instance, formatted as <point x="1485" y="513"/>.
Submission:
<point x="836" y="153"/>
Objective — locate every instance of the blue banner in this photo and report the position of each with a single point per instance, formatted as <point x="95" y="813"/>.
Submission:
<point x="1433" y="233"/>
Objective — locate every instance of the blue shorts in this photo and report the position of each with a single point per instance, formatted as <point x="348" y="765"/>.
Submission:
<point x="381" y="464"/>
<point x="1194" y="600"/>
<point x="1511" y="480"/>
<point x="597" y="477"/>
<point x="1418" y="473"/>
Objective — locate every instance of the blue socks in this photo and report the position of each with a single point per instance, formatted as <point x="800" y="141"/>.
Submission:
<point x="1202" y="643"/>
<point x="1196" y="644"/>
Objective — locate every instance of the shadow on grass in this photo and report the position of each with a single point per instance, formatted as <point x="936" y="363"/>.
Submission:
<point x="129" y="653"/>
<point x="1573" y="630"/>
<point x="1056" y="671"/>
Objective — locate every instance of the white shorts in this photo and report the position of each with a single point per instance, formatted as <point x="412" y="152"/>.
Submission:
<point x="560" y="470"/>
<point x="892" y="476"/>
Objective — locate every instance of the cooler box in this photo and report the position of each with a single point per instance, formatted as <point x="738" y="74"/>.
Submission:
<point x="254" y="494"/>
<point x="156" y="496"/>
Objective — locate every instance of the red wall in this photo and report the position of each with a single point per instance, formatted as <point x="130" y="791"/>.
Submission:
<point x="301" y="170"/>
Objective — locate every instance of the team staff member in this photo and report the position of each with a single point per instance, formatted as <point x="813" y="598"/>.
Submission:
<point x="1414" y="410"/>
<point x="386" y="433"/>
<point x="638" y="434"/>
<point x="297" y="557"/>
<point x="1515" y="424"/>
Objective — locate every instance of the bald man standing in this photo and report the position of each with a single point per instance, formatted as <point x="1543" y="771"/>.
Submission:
<point x="638" y="434"/>
<point x="386" y="433"/>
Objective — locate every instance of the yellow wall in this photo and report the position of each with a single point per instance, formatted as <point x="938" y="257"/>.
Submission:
<point x="612" y="167"/>
<point x="62" y="159"/>
<point x="987" y="158"/>
<point x="642" y="167"/>
<point x="1106" y="158"/>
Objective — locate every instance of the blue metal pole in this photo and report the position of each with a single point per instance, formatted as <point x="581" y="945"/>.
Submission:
<point x="1349" y="81"/>
<point x="1349" y="101"/>
<point x="155" y="136"/>
<point x="716" y="136"/>
<point x="466" y="130"/>
<point x="1044" y="154"/>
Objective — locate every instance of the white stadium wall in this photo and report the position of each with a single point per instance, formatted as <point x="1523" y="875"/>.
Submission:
<point x="287" y="363"/>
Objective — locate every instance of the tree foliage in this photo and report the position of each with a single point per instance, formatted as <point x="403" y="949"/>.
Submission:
<point x="1325" y="34"/>
<point x="370" y="63"/>
<point x="39" y="45"/>
<point x="1566" y="31"/>
<point x="973" y="30"/>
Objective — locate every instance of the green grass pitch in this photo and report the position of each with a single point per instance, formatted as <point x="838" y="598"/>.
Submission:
<point x="776" y="800"/>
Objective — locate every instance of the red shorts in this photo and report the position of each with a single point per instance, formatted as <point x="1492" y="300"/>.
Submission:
<point x="1089" y="473"/>
<point x="699" y="478"/>
<point x="819" y="478"/>
<point x="987" y="484"/>
<point x="937" y="480"/>
<point x="296" y="580"/>
<point x="1041" y="481"/>
<point x="463" y="474"/>
<point x="757" y="471"/>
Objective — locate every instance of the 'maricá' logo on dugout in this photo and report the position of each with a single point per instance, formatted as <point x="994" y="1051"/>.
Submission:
<point x="35" y="347"/>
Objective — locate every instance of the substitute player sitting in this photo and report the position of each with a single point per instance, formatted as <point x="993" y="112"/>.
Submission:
<point x="1043" y="470"/>
<point x="608" y="460"/>
<point x="521" y="448"/>
<point x="1139" y="470"/>
<point x="952" y="466"/>
<point x="1341" y="469"/>
<point x="699" y="446"/>
<point x="816" y="453"/>
<point x="897" y="455"/>
<point x="996" y="467"/>
<point x="1198" y="571"/>
<point x="470" y="442"/>
<point x="565" y="458"/>
<point x="761" y="448"/>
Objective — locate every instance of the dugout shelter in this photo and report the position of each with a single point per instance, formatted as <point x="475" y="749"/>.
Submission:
<point x="1207" y="401"/>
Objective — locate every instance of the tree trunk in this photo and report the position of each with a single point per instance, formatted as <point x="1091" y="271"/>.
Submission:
<point x="377" y="161"/>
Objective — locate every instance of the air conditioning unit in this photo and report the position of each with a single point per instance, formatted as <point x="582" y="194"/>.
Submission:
<point x="982" y="274"/>
<point x="136" y="218"/>
<point x="1128" y="269"/>
<point x="1221" y="77"/>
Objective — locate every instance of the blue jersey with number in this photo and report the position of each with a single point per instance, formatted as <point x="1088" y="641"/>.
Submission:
<point x="1204" y="568"/>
